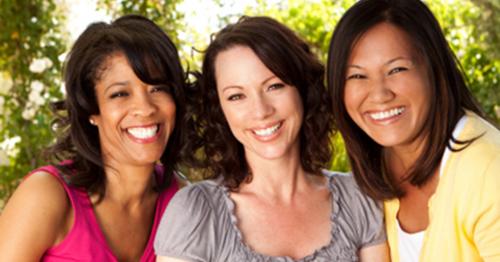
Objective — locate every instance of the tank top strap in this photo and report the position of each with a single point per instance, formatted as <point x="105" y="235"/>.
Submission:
<point x="161" y="204"/>
<point x="77" y="196"/>
<point x="168" y="192"/>
<point x="84" y="239"/>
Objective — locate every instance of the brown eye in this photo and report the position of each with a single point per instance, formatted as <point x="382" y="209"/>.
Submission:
<point x="118" y="94"/>
<point x="355" y="76"/>
<point x="161" y="88"/>
<point x="235" y="97"/>
<point x="276" y="86"/>
<point x="397" y="70"/>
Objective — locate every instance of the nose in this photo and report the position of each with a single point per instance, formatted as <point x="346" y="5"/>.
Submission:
<point x="380" y="92"/>
<point x="143" y="105"/>
<point x="262" y="107"/>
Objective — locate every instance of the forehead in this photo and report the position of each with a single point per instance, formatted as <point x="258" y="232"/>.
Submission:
<point x="383" y="39"/>
<point x="108" y="64"/>
<point x="113" y="63"/>
<point x="239" y="65"/>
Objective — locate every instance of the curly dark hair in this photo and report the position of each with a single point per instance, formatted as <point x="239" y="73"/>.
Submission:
<point x="289" y="58"/>
<point x="450" y="95"/>
<point x="153" y="58"/>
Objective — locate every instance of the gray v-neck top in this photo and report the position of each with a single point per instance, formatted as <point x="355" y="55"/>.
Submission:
<point x="199" y="225"/>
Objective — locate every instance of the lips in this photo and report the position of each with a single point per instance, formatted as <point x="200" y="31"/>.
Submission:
<point x="268" y="131"/>
<point x="387" y="114"/>
<point x="144" y="133"/>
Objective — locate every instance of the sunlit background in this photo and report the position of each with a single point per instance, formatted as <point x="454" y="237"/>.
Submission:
<point x="36" y="35"/>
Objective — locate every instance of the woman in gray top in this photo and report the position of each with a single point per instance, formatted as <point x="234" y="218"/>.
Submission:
<point x="264" y="125"/>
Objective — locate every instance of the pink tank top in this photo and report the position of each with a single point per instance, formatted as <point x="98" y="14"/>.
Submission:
<point x="85" y="241"/>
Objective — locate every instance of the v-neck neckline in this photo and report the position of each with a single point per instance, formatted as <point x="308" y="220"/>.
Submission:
<point x="100" y="233"/>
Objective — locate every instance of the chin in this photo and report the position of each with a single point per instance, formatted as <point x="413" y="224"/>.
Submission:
<point x="270" y="155"/>
<point x="388" y="142"/>
<point x="150" y="160"/>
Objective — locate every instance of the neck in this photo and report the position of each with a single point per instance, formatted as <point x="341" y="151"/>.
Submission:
<point x="400" y="159"/>
<point x="280" y="178"/>
<point x="129" y="186"/>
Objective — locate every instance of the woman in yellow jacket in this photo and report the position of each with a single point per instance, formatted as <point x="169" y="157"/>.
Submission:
<point x="415" y="136"/>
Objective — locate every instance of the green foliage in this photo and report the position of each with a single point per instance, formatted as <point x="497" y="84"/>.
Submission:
<point x="489" y="24"/>
<point x="31" y="40"/>
<point x="315" y="21"/>
<point x="31" y="35"/>
<point x="162" y="12"/>
<point x="472" y="43"/>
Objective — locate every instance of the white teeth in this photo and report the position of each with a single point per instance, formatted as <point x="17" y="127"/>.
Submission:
<point x="386" y="114"/>
<point x="143" y="132"/>
<point x="268" y="131"/>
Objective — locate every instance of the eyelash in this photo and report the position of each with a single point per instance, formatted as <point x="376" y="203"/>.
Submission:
<point x="397" y="70"/>
<point x="392" y="71"/>
<point x="276" y="86"/>
<point x="163" y="88"/>
<point x="356" y="76"/>
<point x="240" y="96"/>
<point x="234" y="97"/>
<point x="118" y="94"/>
<point x="155" y="89"/>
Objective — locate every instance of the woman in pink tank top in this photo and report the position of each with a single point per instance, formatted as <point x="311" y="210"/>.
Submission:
<point x="103" y="201"/>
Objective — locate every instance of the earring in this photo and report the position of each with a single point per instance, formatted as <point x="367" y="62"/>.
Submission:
<point x="92" y="122"/>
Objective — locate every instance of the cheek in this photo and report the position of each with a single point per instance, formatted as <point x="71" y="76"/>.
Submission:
<point x="352" y="100"/>
<point x="231" y="114"/>
<point x="417" y="90"/>
<point x="171" y="118"/>
<point x="109" y="115"/>
<point x="236" y="119"/>
<point x="170" y="111"/>
<point x="296" y="107"/>
<point x="166" y="106"/>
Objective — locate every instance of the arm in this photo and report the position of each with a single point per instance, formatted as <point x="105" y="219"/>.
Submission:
<point x="187" y="229"/>
<point x="169" y="259"/>
<point x="31" y="221"/>
<point x="375" y="253"/>
<point x="369" y="217"/>
<point x="486" y="224"/>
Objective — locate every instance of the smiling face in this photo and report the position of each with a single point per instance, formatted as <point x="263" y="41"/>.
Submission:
<point x="135" y="119"/>
<point x="387" y="91"/>
<point x="264" y="113"/>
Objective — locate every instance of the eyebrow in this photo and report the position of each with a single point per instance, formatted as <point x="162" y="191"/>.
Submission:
<point x="228" y="87"/>
<point x="388" y="62"/>
<point x="355" y="66"/>
<point x="123" y="83"/>
<point x="239" y="87"/>
<point x="398" y="58"/>
<point x="267" y="79"/>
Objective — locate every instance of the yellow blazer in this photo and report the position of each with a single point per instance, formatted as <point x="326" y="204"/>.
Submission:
<point x="464" y="212"/>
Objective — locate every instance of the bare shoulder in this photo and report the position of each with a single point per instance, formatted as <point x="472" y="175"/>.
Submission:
<point x="40" y="190"/>
<point x="375" y="253"/>
<point x="169" y="259"/>
<point x="34" y="217"/>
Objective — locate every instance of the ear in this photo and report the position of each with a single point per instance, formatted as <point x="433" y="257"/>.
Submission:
<point x="92" y="120"/>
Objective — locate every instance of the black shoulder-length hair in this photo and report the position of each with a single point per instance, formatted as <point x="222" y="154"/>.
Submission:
<point x="289" y="58"/>
<point x="153" y="58"/>
<point x="449" y="95"/>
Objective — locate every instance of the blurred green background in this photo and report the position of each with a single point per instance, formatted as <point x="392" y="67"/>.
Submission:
<point x="34" y="38"/>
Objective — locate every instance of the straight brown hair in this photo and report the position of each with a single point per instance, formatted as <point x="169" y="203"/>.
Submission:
<point x="449" y="93"/>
